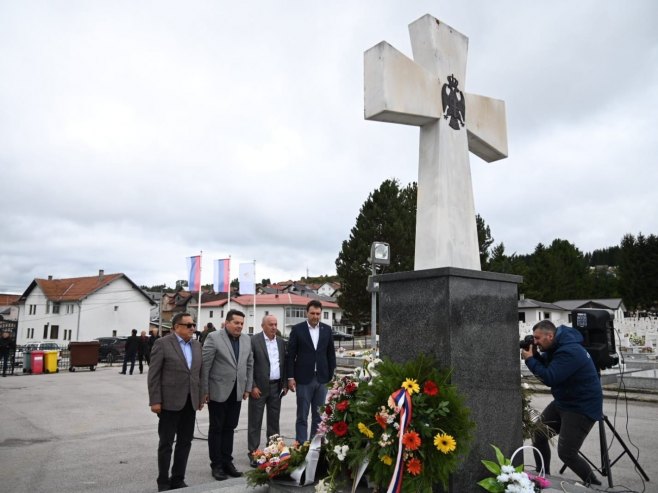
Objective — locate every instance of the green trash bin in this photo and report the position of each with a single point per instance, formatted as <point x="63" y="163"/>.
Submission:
<point x="27" y="361"/>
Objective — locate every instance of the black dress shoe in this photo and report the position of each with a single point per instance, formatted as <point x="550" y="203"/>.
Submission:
<point x="231" y="470"/>
<point x="253" y="462"/>
<point x="219" y="474"/>
<point x="178" y="485"/>
<point x="164" y="487"/>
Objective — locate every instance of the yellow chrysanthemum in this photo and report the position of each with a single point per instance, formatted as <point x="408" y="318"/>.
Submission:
<point x="411" y="384"/>
<point x="386" y="460"/>
<point x="365" y="430"/>
<point x="445" y="443"/>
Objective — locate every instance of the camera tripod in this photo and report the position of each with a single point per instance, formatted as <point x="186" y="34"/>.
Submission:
<point x="606" y="465"/>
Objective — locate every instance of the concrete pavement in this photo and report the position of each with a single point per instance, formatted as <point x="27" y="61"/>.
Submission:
<point x="94" y="432"/>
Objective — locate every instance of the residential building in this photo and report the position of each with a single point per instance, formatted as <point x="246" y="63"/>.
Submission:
<point x="288" y="308"/>
<point x="81" y="309"/>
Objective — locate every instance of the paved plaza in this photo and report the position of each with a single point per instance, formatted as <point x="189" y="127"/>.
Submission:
<point x="94" y="432"/>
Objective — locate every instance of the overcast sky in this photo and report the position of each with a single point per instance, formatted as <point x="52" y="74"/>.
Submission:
<point x="136" y="133"/>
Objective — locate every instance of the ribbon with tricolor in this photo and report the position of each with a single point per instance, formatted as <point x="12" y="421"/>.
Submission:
<point x="402" y="400"/>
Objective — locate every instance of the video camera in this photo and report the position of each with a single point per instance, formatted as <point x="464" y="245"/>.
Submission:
<point x="526" y="342"/>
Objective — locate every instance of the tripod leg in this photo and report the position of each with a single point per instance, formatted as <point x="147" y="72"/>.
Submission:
<point x="626" y="450"/>
<point x="605" y="458"/>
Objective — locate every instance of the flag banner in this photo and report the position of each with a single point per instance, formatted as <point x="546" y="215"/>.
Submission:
<point x="222" y="279"/>
<point x="246" y="278"/>
<point x="194" y="270"/>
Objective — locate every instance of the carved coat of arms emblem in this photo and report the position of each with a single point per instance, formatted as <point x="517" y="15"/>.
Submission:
<point x="454" y="106"/>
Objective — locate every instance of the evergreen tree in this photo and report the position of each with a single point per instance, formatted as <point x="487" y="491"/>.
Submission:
<point x="388" y="215"/>
<point x="484" y="241"/>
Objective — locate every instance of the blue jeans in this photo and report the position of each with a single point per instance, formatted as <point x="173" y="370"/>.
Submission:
<point x="311" y="395"/>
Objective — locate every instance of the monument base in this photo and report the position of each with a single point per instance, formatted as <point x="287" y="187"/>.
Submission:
<point x="468" y="321"/>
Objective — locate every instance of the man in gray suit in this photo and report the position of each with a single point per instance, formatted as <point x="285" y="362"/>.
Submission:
<point x="269" y="352"/>
<point x="226" y="380"/>
<point x="174" y="384"/>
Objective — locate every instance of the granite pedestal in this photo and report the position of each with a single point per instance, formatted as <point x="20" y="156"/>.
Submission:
<point x="468" y="320"/>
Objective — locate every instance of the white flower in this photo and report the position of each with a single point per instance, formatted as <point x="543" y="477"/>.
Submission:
<point x="322" y="487"/>
<point x="341" y="451"/>
<point x="507" y="469"/>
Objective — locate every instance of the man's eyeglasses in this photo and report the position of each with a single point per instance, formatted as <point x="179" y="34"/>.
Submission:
<point x="189" y="326"/>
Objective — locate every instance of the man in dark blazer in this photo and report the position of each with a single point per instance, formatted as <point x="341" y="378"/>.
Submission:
<point x="269" y="351"/>
<point x="311" y="362"/>
<point x="226" y="381"/>
<point x="174" y="384"/>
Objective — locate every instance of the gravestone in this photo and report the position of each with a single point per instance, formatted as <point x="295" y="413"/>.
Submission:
<point x="448" y="307"/>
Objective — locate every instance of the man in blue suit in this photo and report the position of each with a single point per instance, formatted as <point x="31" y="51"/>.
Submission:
<point x="311" y="362"/>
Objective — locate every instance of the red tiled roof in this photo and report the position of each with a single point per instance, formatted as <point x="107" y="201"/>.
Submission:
<point x="269" y="299"/>
<point x="74" y="288"/>
<point x="8" y="299"/>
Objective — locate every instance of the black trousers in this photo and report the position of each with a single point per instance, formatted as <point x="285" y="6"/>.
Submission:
<point x="224" y="417"/>
<point x="126" y="358"/>
<point x="573" y="428"/>
<point x="175" y="426"/>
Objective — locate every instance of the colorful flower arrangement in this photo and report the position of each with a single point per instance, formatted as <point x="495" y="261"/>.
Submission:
<point x="276" y="460"/>
<point x="401" y="424"/>
<point x="510" y="479"/>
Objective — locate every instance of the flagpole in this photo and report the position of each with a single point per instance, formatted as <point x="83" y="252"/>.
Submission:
<point x="229" y="284"/>
<point x="254" y="296"/>
<point x="198" y="315"/>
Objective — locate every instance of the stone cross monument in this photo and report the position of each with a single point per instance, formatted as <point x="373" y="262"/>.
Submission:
<point x="447" y="308"/>
<point x="427" y="92"/>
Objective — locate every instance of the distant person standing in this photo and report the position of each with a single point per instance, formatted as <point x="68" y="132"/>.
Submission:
<point x="174" y="383"/>
<point x="152" y="338"/>
<point x="226" y="382"/>
<point x="132" y="346"/>
<point x="269" y="352"/>
<point x="208" y="329"/>
<point x="311" y="362"/>
<point x="7" y="350"/>
<point x="142" y="350"/>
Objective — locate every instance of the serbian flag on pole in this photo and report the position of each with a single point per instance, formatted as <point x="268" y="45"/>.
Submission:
<point x="222" y="279"/>
<point x="194" y="270"/>
<point x="246" y="278"/>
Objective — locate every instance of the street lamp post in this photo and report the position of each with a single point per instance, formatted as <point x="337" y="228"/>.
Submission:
<point x="380" y="254"/>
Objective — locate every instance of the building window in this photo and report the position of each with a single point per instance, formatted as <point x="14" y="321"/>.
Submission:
<point x="114" y="333"/>
<point x="251" y="330"/>
<point x="210" y="316"/>
<point x="70" y="308"/>
<point x="116" y="308"/>
<point x="522" y="317"/>
<point x="222" y="314"/>
<point x="47" y="307"/>
<point x="33" y="309"/>
<point x="45" y="331"/>
<point x="295" y="312"/>
<point x="267" y="312"/>
<point x="54" y="331"/>
<point x="325" y="315"/>
<point x="56" y="308"/>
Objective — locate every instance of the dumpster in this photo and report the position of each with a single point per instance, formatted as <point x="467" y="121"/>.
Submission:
<point x="36" y="362"/>
<point x="50" y="361"/>
<point x="84" y="354"/>
<point x="27" y="358"/>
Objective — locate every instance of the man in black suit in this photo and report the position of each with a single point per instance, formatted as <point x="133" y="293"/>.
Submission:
<point x="174" y="383"/>
<point x="310" y="366"/>
<point x="132" y="346"/>
<point x="269" y="353"/>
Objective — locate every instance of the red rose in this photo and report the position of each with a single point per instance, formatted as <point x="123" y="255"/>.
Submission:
<point x="350" y="388"/>
<point x="430" y="388"/>
<point x="328" y="410"/>
<point x="343" y="405"/>
<point x="340" y="428"/>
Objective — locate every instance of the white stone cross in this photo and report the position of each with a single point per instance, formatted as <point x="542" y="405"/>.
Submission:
<point x="426" y="92"/>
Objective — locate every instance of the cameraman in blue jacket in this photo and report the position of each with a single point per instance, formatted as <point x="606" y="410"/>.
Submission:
<point x="558" y="358"/>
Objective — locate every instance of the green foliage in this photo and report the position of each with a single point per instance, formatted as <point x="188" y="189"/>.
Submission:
<point x="484" y="241"/>
<point x="638" y="271"/>
<point x="389" y="215"/>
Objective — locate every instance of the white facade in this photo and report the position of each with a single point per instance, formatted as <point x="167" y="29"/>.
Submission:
<point x="286" y="315"/>
<point x="326" y="289"/>
<point x="113" y="310"/>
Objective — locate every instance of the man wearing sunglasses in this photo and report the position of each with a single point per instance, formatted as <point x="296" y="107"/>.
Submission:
<point x="174" y="384"/>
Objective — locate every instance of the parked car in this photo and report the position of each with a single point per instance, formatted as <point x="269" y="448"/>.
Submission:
<point x="111" y="349"/>
<point x="341" y="336"/>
